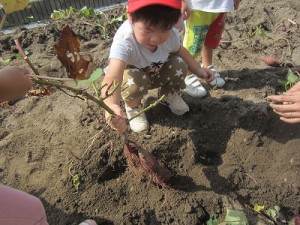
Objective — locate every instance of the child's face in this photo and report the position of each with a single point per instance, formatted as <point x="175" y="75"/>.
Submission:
<point x="150" y="37"/>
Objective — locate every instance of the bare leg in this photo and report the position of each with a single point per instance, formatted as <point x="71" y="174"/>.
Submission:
<point x="207" y="56"/>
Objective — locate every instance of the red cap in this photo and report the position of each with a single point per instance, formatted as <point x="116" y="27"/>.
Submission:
<point x="134" y="5"/>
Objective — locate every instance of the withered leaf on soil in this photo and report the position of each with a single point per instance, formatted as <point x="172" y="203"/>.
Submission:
<point x="79" y="66"/>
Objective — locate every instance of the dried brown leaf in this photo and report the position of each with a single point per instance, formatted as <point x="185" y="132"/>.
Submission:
<point x="37" y="92"/>
<point x="78" y="65"/>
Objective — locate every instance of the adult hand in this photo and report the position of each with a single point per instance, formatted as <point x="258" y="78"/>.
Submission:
<point x="117" y="121"/>
<point x="14" y="83"/>
<point x="287" y="105"/>
<point x="296" y="87"/>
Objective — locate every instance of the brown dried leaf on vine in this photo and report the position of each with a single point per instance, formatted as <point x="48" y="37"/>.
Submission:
<point x="79" y="66"/>
<point x="40" y="93"/>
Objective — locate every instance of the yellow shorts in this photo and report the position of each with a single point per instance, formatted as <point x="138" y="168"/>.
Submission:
<point x="196" y="29"/>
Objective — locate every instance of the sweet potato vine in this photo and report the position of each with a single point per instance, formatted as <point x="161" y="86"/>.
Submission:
<point x="80" y="68"/>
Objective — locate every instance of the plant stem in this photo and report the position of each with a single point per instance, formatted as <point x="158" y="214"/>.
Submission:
<point x="38" y="80"/>
<point x="25" y="57"/>
<point x="148" y="108"/>
<point x="42" y="80"/>
<point x="3" y="21"/>
<point x="51" y="78"/>
<point x="76" y="91"/>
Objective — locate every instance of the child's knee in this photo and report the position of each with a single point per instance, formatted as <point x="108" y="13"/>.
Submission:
<point x="134" y="92"/>
<point x="178" y="67"/>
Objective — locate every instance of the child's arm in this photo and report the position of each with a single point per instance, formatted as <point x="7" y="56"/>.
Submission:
<point x="194" y="66"/>
<point x="114" y="74"/>
<point x="14" y="83"/>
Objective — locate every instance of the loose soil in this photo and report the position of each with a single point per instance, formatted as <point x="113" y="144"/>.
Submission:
<point x="229" y="151"/>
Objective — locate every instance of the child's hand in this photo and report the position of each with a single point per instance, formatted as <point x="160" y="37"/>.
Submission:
<point x="117" y="121"/>
<point x="14" y="83"/>
<point x="206" y="74"/>
<point x="185" y="11"/>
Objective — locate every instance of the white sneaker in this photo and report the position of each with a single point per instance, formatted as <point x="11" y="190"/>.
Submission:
<point x="193" y="86"/>
<point x="139" y="123"/>
<point x="218" y="81"/>
<point x="176" y="103"/>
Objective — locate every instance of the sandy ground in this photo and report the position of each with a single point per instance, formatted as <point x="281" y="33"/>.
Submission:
<point x="230" y="151"/>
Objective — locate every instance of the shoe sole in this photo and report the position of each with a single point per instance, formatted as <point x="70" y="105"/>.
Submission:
<point x="196" y="96"/>
<point x="178" y="114"/>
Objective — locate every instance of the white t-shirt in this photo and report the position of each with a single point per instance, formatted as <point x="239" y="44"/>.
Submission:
<point x="126" y="48"/>
<point x="216" y="6"/>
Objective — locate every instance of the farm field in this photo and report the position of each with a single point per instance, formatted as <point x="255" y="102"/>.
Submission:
<point x="230" y="151"/>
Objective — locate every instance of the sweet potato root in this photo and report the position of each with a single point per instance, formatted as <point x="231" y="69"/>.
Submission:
<point x="271" y="61"/>
<point x="146" y="164"/>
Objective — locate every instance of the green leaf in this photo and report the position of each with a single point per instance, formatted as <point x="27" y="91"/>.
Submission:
<point x="291" y="77"/>
<point x="57" y="15"/>
<point x="94" y="76"/>
<point x="118" y="19"/>
<point x="69" y="12"/>
<point x="6" y="62"/>
<point x="76" y="181"/>
<point x="257" y="208"/>
<point x="272" y="212"/>
<point x="212" y="221"/>
<point x="86" y="12"/>
<point x="235" y="217"/>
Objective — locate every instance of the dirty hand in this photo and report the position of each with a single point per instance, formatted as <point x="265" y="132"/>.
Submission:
<point x="206" y="74"/>
<point x="287" y="106"/>
<point x="14" y="83"/>
<point x="117" y="121"/>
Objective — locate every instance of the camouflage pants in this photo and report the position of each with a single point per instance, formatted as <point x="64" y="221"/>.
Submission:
<point x="169" y="78"/>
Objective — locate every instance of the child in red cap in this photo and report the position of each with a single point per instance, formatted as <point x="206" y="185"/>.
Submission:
<point x="146" y="54"/>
